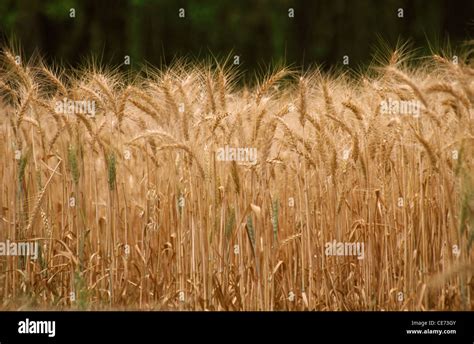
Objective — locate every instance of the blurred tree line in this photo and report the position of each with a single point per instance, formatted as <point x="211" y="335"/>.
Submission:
<point x="259" y="31"/>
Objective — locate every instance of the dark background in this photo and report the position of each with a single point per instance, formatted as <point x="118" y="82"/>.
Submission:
<point x="259" y="31"/>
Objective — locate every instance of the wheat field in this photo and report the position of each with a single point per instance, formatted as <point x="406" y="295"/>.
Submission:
<point x="131" y="208"/>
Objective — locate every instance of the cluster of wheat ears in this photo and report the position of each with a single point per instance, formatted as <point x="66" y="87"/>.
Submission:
<point x="131" y="209"/>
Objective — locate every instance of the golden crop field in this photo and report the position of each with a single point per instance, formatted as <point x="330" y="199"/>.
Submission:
<point x="186" y="189"/>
